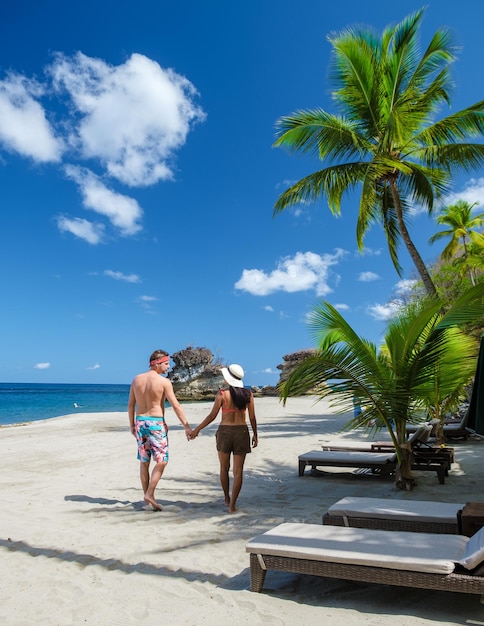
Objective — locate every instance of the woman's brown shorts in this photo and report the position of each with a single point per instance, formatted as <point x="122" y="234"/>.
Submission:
<point x="233" y="439"/>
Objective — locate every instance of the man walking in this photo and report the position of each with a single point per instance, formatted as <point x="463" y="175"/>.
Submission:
<point x="146" y="410"/>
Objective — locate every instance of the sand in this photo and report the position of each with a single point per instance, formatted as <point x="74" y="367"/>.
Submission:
<point x="78" y="547"/>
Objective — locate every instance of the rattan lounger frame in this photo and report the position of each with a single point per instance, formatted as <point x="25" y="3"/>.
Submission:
<point x="381" y="523"/>
<point x="460" y="582"/>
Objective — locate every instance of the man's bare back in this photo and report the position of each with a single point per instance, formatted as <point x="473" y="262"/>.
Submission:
<point x="149" y="394"/>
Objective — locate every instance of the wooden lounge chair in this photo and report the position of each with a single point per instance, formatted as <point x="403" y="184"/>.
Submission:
<point x="377" y="463"/>
<point x="447" y="562"/>
<point x="385" y="514"/>
<point x="422" y="450"/>
<point x="456" y="429"/>
<point x="452" y="429"/>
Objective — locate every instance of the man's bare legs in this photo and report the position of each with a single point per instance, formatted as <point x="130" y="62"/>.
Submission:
<point x="144" y="474"/>
<point x="239" y="460"/>
<point x="149" y="484"/>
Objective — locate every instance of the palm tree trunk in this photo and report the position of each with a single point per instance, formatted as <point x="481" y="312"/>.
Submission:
<point x="469" y="268"/>
<point x="404" y="479"/>
<point x="412" y="250"/>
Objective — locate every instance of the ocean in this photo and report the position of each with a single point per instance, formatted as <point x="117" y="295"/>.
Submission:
<point x="28" y="402"/>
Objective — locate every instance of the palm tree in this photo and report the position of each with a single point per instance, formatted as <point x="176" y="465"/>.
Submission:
<point x="461" y="230"/>
<point x="385" y="139"/>
<point x="425" y="362"/>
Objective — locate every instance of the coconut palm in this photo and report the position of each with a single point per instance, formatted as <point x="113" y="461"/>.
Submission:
<point x="425" y="362"/>
<point x="462" y="230"/>
<point x="385" y="139"/>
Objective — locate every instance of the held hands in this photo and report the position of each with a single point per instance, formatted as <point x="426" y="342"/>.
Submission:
<point x="188" y="433"/>
<point x="194" y="433"/>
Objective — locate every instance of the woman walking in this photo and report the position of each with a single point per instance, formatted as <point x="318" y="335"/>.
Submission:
<point x="233" y="434"/>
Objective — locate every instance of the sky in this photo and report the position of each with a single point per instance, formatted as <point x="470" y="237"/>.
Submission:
<point x="138" y="178"/>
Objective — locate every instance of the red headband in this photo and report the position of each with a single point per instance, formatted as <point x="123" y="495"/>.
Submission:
<point x="162" y="359"/>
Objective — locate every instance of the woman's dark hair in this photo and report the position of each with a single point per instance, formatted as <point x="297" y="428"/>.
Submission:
<point x="240" y="397"/>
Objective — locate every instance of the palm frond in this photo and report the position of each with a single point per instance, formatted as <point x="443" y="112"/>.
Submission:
<point x="452" y="157"/>
<point x="321" y="134"/>
<point x="331" y="183"/>
<point x="459" y="126"/>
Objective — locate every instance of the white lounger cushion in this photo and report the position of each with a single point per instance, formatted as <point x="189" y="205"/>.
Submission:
<point x="419" y="552"/>
<point x="401" y="510"/>
<point x="474" y="552"/>
<point x="346" y="456"/>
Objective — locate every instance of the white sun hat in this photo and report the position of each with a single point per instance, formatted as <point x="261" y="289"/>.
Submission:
<point x="233" y="375"/>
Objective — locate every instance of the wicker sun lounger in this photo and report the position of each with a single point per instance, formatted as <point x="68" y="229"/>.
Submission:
<point x="424" y="560"/>
<point x="411" y="515"/>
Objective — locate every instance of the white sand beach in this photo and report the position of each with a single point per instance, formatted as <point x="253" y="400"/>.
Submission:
<point x="78" y="547"/>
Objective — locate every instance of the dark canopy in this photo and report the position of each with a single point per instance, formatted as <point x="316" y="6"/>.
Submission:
<point x="476" y="407"/>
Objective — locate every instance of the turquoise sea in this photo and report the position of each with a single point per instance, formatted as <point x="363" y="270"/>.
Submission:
<point x="27" y="402"/>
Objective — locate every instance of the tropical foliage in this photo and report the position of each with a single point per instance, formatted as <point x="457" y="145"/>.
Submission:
<point x="384" y="138"/>
<point x="466" y="242"/>
<point x="423" y="366"/>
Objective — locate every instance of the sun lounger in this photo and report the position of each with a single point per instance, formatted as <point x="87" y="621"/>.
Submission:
<point x="452" y="429"/>
<point x="447" y="562"/>
<point x="381" y="464"/>
<point x="422" y="451"/>
<point x="385" y="514"/>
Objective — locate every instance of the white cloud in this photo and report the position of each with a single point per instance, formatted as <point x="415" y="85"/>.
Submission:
<point x="90" y="232"/>
<point x="269" y="308"/>
<point x="368" y="252"/>
<point x="299" y="273"/>
<point x="129" y="278"/>
<point x="42" y="366"/>
<point x="147" y="299"/>
<point x="405" y="286"/>
<point x="134" y="116"/>
<point x="24" y="127"/>
<point x="385" y="311"/>
<point x="146" y="303"/>
<point x="367" y="277"/>
<point x="122" y="211"/>
<point x="473" y="191"/>
<point x="341" y="307"/>
<point x="94" y="367"/>
<point x="131" y="119"/>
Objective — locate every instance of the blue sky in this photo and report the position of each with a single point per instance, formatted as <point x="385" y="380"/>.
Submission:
<point x="137" y="180"/>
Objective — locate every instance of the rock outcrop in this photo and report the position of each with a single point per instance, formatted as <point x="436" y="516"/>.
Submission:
<point x="291" y="361"/>
<point x="196" y="376"/>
